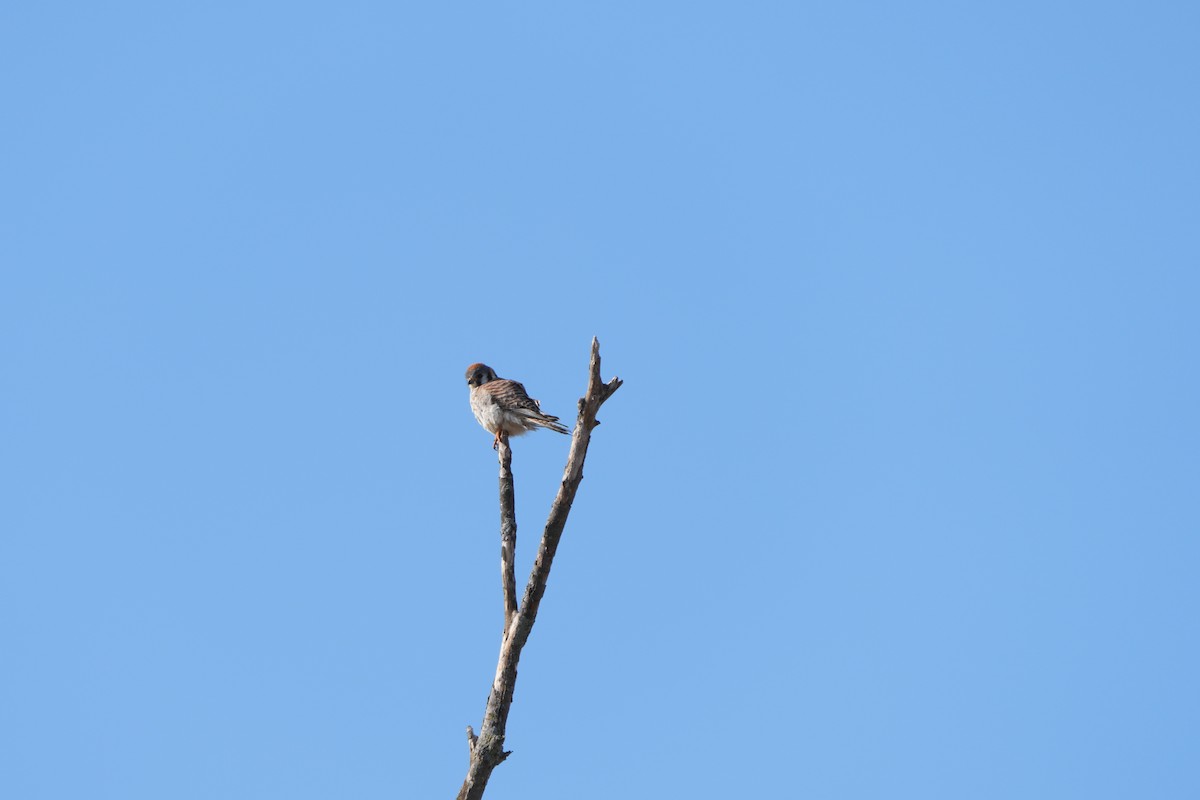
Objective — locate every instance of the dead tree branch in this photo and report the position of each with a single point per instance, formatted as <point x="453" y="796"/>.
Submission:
<point x="508" y="534"/>
<point x="487" y="750"/>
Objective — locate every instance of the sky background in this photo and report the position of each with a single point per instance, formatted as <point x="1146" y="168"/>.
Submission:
<point x="899" y="499"/>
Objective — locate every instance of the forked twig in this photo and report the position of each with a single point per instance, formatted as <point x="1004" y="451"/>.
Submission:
<point x="487" y="749"/>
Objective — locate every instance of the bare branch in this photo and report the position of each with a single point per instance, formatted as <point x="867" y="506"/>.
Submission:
<point x="488" y="749"/>
<point x="508" y="534"/>
<point x="589" y="406"/>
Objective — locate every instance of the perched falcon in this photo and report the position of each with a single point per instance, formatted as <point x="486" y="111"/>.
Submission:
<point x="502" y="406"/>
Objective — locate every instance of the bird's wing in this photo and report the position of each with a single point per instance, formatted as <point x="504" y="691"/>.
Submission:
<point x="511" y="395"/>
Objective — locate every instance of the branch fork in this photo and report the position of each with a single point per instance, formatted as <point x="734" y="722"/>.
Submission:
<point x="487" y="749"/>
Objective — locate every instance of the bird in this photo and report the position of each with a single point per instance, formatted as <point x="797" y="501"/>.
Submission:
<point x="502" y="406"/>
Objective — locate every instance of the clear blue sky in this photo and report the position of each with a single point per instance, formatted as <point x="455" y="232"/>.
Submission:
<point x="899" y="499"/>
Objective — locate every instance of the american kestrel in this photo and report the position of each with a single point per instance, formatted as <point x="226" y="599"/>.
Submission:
<point x="502" y="406"/>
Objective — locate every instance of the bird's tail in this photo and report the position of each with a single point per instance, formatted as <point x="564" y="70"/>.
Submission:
<point x="545" y="421"/>
<point x="552" y="423"/>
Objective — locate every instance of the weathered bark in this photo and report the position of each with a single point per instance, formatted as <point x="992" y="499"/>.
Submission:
<point x="508" y="533"/>
<point x="487" y="749"/>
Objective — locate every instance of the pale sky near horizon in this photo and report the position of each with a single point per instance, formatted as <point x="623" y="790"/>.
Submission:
<point x="899" y="499"/>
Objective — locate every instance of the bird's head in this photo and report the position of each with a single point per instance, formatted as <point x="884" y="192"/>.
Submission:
<point x="479" y="374"/>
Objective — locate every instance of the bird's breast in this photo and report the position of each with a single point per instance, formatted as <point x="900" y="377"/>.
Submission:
<point x="486" y="412"/>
